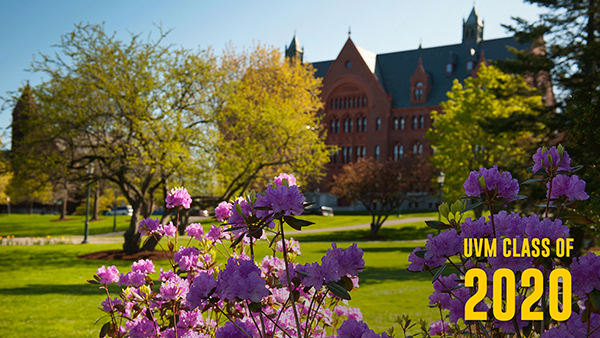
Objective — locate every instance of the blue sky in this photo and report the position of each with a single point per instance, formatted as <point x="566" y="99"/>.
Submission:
<point x="29" y="27"/>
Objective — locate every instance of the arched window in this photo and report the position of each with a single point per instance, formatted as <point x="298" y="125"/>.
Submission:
<point x="359" y="124"/>
<point x="357" y="152"/>
<point x="378" y="124"/>
<point x="395" y="123"/>
<point x="345" y="125"/>
<point x="364" y="101"/>
<point x="350" y="125"/>
<point x="364" y="124"/>
<point x="421" y="122"/>
<point x="345" y="155"/>
<point x="332" y="103"/>
<point x="377" y="152"/>
<point x="337" y="126"/>
<point x="420" y="149"/>
<point x="400" y="152"/>
<point x="414" y="124"/>
<point x="419" y="91"/>
<point x="396" y="153"/>
<point x="402" y="123"/>
<point x="349" y="154"/>
<point x="415" y="148"/>
<point x="354" y="102"/>
<point x="332" y="126"/>
<point x="364" y="151"/>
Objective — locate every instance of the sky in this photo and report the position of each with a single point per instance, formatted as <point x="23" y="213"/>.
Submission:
<point x="31" y="27"/>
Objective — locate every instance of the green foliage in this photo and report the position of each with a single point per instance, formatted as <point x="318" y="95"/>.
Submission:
<point x="460" y="134"/>
<point x="267" y="121"/>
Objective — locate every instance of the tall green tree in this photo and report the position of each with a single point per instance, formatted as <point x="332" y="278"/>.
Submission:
<point x="134" y="109"/>
<point x="459" y="136"/>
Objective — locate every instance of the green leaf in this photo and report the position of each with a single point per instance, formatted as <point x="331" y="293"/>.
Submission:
<point x="346" y="283"/>
<point x="576" y="168"/>
<point x="532" y="180"/>
<point x="439" y="272"/>
<point x="255" y="307"/>
<point x="94" y="282"/>
<point x="338" y="291"/>
<point x="594" y="298"/>
<point x="237" y="240"/>
<point x="437" y="225"/>
<point x="577" y="219"/>
<point x="104" y="329"/>
<point x="420" y="253"/>
<point x="296" y="223"/>
<point x="471" y="207"/>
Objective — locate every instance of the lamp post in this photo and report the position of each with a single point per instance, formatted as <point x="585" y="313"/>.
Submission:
<point x="115" y="214"/>
<point x="87" y="206"/>
<point x="440" y="179"/>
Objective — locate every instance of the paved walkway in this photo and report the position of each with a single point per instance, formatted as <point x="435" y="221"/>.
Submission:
<point x="117" y="237"/>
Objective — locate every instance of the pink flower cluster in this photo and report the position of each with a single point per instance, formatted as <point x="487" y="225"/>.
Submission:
<point x="150" y="227"/>
<point x="223" y="211"/>
<point x="179" y="197"/>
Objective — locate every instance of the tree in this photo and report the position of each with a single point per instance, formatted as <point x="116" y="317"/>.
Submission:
<point x="459" y="134"/>
<point x="572" y="56"/>
<point x="133" y="109"/>
<point x="267" y="122"/>
<point x="382" y="187"/>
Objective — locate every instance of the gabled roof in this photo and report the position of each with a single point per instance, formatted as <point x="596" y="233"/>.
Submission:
<point x="393" y="70"/>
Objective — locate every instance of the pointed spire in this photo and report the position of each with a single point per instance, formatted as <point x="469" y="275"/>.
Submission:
<point x="420" y="43"/>
<point x="294" y="50"/>
<point x="473" y="27"/>
<point x="349" y="31"/>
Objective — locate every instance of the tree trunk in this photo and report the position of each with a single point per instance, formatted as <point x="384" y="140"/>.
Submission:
<point x="96" y="202"/>
<point x="132" y="235"/>
<point x="65" y="200"/>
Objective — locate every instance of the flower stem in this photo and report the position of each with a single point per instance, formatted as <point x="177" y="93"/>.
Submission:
<point x="289" y="280"/>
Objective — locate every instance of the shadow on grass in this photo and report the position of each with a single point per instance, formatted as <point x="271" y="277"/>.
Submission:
<point x="46" y="289"/>
<point x="387" y="234"/>
<point x="374" y="275"/>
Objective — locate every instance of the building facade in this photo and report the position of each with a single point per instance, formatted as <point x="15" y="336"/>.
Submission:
<point x="379" y="105"/>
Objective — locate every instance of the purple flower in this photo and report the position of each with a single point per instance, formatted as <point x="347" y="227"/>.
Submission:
<point x="351" y="261"/>
<point x="570" y="186"/>
<point x="289" y="177"/>
<point x="417" y="263"/>
<point x="241" y="280"/>
<point x="135" y="278"/>
<point x="107" y="302"/>
<point x="189" y="319"/>
<point x="187" y="257"/>
<point x="475" y="229"/>
<point x="201" y="288"/>
<point x="502" y="183"/>
<point x="195" y="230"/>
<point x="540" y="159"/>
<point x="215" y="234"/>
<point x="149" y="226"/>
<point x="236" y="218"/>
<point x="230" y="330"/>
<point x="223" y="211"/>
<point x="170" y="230"/>
<point x="329" y="270"/>
<point x="285" y="199"/>
<point x="291" y="245"/>
<point x="141" y="327"/>
<point x="438" y="327"/>
<point x="585" y="272"/>
<point x="174" y="288"/>
<point x="178" y="197"/>
<point x="354" y="329"/>
<point x="546" y="228"/>
<point x="445" y="244"/>
<point x="108" y="275"/>
<point x="165" y="275"/>
<point x="144" y="266"/>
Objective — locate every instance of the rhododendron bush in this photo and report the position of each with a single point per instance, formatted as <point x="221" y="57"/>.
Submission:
<point x="247" y="297"/>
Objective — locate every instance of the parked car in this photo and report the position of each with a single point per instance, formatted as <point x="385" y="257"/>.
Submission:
<point x="316" y="210"/>
<point x="158" y="212"/>
<point x="121" y="211"/>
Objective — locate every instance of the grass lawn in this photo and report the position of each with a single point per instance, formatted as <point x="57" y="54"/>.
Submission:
<point x="45" y="294"/>
<point x="22" y="225"/>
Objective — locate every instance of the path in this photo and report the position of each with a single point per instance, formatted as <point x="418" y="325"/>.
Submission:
<point x="117" y="237"/>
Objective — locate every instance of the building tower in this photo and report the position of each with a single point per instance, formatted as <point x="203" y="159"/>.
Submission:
<point x="294" y="50"/>
<point x="473" y="28"/>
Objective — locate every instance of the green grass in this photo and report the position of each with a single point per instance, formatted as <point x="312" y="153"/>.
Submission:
<point x="21" y="225"/>
<point x="45" y="293"/>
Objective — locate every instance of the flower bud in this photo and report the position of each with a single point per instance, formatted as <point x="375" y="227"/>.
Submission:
<point x="481" y="180"/>
<point x="544" y="150"/>
<point x="561" y="150"/>
<point x="550" y="163"/>
<point x="444" y="210"/>
<point x="453" y="209"/>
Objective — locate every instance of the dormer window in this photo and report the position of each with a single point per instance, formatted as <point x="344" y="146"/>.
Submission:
<point x="420" y="85"/>
<point x="449" y="68"/>
<point x="419" y="91"/>
<point x="470" y="65"/>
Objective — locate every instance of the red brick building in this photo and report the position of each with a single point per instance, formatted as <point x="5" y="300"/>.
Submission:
<point x="379" y="105"/>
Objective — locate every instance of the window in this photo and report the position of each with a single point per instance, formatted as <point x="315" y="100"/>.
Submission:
<point x="364" y="151"/>
<point x="337" y="126"/>
<point x="378" y="124"/>
<point x="358" y="124"/>
<point x="414" y="148"/>
<point x="377" y="152"/>
<point x="402" y="123"/>
<point x="349" y="154"/>
<point x="414" y="124"/>
<point x="419" y="91"/>
<point x="421" y="122"/>
<point x="420" y="149"/>
<point x="354" y="102"/>
<point x="350" y="125"/>
<point x="364" y="124"/>
<point x="400" y="152"/>
<point x="364" y="101"/>
<point x="345" y="125"/>
<point x="449" y="68"/>
<point x="332" y="104"/>
<point x="337" y="103"/>
<point x="469" y="65"/>
<point x="345" y="103"/>
<point x="332" y="126"/>
<point x="395" y="153"/>
<point x="348" y="64"/>
<point x="345" y="155"/>
<point x="395" y="123"/>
